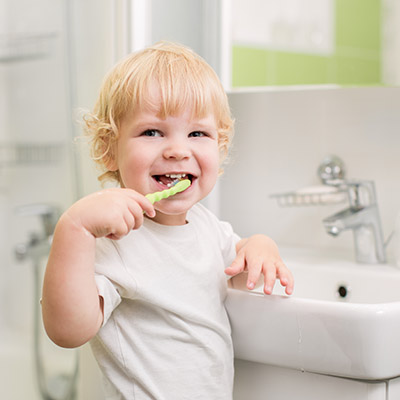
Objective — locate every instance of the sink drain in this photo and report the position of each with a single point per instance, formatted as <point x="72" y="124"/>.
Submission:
<point x="343" y="291"/>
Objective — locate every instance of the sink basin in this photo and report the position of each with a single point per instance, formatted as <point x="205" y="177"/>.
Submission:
<point x="343" y="318"/>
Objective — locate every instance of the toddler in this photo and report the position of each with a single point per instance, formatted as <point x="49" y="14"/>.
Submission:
<point x="146" y="283"/>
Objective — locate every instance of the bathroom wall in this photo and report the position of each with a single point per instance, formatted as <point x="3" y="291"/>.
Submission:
<point x="92" y="39"/>
<point x="308" y="41"/>
<point x="281" y="137"/>
<point x="391" y="42"/>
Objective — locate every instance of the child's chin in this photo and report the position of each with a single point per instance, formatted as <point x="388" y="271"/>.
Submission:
<point x="171" y="215"/>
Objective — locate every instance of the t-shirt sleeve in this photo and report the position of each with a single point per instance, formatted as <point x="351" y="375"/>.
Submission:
<point x="109" y="294"/>
<point x="107" y="264"/>
<point x="228" y="240"/>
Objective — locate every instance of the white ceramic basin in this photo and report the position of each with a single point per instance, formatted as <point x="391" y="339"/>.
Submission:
<point x="316" y="330"/>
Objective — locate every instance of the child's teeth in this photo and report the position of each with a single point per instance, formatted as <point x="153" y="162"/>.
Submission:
<point x="175" y="176"/>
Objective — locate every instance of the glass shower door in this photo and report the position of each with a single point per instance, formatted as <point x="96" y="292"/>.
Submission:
<point x="37" y="178"/>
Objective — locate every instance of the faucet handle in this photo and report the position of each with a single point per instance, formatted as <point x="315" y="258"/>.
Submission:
<point x="48" y="213"/>
<point x="332" y="172"/>
<point x="361" y="192"/>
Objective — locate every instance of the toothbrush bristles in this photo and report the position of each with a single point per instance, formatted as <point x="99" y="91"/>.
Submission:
<point x="173" y="183"/>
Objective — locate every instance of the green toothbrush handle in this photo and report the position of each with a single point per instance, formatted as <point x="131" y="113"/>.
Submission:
<point x="179" y="187"/>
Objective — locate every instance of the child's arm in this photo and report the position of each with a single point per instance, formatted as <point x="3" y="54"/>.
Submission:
<point x="72" y="308"/>
<point x="258" y="255"/>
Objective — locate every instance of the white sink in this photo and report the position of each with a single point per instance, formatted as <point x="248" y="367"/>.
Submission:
<point x="316" y="330"/>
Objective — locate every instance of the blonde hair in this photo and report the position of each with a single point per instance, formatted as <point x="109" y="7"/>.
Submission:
<point x="184" y="80"/>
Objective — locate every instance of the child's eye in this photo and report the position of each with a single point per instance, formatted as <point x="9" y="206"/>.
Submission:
<point x="151" y="133"/>
<point x="197" y="134"/>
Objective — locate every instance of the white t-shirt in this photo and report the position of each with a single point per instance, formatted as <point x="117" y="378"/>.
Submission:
<point x="166" y="334"/>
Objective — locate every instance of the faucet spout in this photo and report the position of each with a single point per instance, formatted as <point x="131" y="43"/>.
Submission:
<point x="339" y="222"/>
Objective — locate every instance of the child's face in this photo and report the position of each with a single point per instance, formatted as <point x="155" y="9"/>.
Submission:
<point x="151" y="149"/>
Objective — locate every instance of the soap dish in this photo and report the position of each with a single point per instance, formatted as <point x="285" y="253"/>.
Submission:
<point x="311" y="196"/>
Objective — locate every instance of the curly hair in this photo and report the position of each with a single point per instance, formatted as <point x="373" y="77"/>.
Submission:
<point x="184" y="80"/>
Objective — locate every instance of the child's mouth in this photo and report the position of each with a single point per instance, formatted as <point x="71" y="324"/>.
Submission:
<point x="169" y="180"/>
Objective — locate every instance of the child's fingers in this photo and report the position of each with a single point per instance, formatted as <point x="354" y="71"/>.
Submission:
<point x="270" y="274"/>
<point x="129" y="217"/>
<point x="254" y="274"/>
<point x="122" y="224"/>
<point x="134" y="215"/>
<point x="285" y="277"/>
<point x="148" y="208"/>
<point x="145" y="204"/>
<point x="237" y="266"/>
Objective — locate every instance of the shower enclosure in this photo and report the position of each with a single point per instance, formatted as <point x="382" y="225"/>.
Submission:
<point x="38" y="179"/>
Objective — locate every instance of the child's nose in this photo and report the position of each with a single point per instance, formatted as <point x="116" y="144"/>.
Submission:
<point x="177" y="150"/>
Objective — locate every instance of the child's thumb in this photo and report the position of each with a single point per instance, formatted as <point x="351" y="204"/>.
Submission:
<point x="237" y="266"/>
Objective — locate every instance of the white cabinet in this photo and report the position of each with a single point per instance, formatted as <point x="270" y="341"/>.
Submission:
<point x="255" y="381"/>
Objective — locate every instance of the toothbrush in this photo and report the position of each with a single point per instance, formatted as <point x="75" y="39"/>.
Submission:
<point x="177" y="188"/>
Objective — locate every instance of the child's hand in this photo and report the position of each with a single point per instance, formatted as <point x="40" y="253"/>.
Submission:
<point x="112" y="212"/>
<point x="259" y="255"/>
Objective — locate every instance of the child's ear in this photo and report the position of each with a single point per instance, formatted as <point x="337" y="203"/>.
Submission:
<point x="110" y="160"/>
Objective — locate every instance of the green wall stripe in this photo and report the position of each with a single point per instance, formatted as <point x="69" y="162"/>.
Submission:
<point x="356" y="59"/>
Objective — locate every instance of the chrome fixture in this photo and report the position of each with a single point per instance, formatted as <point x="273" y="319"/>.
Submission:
<point x="38" y="244"/>
<point x="57" y="386"/>
<point x="48" y="214"/>
<point x="362" y="215"/>
<point x="331" y="170"/>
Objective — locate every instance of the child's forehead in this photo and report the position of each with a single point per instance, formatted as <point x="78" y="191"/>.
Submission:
<point x="165" y="102"/>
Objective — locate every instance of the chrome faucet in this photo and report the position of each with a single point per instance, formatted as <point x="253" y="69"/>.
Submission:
<point x="49" y="215"/>
<point x="362" y="217"/>
<point x="38" y="244"/>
